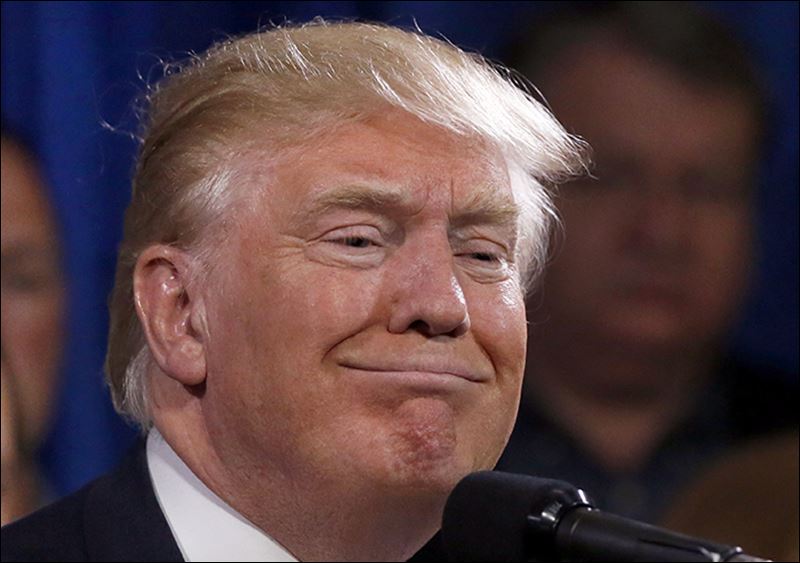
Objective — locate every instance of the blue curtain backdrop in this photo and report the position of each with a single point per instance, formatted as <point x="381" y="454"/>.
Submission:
<point x="69" y="67"/>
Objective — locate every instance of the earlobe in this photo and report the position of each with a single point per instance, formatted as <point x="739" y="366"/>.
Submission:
<point x="170" y="313"/>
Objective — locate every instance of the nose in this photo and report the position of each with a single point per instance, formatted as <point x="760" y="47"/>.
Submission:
<point x="427" y="296"/>
<point x="660" y="222"/>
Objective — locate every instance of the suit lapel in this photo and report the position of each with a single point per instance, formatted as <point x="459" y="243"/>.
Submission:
<point x="122" y="518"/>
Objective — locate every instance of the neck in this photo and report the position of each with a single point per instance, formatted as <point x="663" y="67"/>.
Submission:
<point x="617" y="404"/>
<point x="312" y="517"/>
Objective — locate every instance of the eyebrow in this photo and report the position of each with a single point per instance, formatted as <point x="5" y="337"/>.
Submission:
<point x="485" y="207"/>
<point x="358" y="197"/>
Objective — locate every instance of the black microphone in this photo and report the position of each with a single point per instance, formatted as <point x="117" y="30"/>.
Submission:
<point x="495" y="516"/>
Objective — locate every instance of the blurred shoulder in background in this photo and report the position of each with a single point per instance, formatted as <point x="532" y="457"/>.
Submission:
<point x="751" y="491"/>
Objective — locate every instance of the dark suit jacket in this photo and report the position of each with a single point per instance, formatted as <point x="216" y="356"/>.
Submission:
<point x="114" y="518"/>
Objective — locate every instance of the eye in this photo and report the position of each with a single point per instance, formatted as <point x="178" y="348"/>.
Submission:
<point x="355" y="239"/>
<point x="485" y="257"/>
<point x="482" y="250"/>
<point x="29" y="280"/>
<point x="485" y="253"/>
<point x="350" y="246"/>
<point x="354" y="242"/>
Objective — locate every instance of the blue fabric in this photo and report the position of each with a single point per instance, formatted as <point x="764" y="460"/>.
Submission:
<point x="68" y="67"/>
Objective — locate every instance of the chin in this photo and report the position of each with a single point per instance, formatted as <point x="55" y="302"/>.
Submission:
<point x="425" y="454"/>
<point x="627" y="393"/>
<point x="434" y="482"/>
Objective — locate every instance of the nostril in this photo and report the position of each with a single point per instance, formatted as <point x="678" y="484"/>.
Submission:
<point x="463" y="327"/>
<point x="421" y="327"/>
<point x="426" y="329"/>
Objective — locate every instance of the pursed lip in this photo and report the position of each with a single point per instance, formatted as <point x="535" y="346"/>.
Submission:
<point x="443" y="367"/>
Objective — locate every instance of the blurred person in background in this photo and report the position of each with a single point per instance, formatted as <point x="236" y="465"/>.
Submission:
<point x="32" y="324"/>
<point x="629" y="390"/>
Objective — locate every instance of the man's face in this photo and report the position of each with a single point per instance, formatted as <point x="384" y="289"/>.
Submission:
<point x="656" y="247"/>
<point x="32" y="292"/>
<point x="366" y="320"/>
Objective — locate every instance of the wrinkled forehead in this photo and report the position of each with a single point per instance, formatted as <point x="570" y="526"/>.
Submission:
<point x="399" y="158"/>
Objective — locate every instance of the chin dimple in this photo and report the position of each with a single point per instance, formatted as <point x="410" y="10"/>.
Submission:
<point x="425" y="434"/>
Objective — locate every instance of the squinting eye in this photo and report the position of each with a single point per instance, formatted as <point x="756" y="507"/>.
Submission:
<point x="485" y="257"/>
<point x="356" y="246"/>
<point x="486" y="262"/>
<point x="355" y="242"/>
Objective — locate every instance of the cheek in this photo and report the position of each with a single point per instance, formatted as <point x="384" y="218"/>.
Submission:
<point x="33" y="334"/>
<point x="33" y="326"/>
<point x="500" y="328"/>
<point x="284" y="297"/>
<point x="313" y="306"/>
<point x="273" y="339"/>
<point x="724" y="242"/>
<point x="723" y="255"/>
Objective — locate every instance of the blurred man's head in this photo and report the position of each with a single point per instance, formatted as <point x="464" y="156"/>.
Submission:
<point x="327" y="248"/>
<point x="657" y="245"/>
<point x="32" y="290"/>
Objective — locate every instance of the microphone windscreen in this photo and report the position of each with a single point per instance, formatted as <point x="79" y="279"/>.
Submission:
<point x="486" y="515"/>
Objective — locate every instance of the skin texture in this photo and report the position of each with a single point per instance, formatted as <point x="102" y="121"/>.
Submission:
<point x="656" y="251"/>
<point x="19" y="482"/>
<point x="32" y="293"/>
<point x="359" y="344"/>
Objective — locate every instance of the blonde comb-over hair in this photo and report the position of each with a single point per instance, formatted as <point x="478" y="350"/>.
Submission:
<point x="287" y="84"/>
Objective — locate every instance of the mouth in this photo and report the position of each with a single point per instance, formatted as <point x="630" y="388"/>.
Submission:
<point x="420" y="372"/>
<point x="659" y="294"/>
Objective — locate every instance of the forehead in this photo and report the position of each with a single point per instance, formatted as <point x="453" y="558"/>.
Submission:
<point x="398" y="155"/>
<point x="618" y="97"/>
<point x="26" y="213"/>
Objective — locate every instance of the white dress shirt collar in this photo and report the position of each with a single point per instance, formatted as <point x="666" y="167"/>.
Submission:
<point x="203" y="525"/>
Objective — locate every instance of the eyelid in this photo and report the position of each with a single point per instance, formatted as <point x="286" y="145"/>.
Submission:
<point x="499" y="269"/>
<point x="496" y="269"/>
<point x="346" y="237"/>
<point x="495" y="261"/>
<point x="483" y="244"/>
<point x="353" y="231"/>
<point x="335" y="246"/>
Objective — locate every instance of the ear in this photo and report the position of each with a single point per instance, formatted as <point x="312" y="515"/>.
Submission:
<point x="170" y="314"/>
